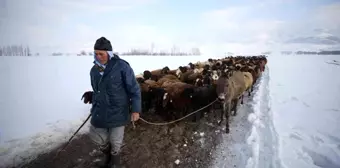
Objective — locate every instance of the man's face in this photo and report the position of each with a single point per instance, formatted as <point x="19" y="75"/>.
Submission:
<point x="102" y="56"/>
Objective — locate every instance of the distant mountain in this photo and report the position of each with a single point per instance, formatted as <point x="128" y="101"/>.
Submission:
<point x="321" y="38"/>
<point x="331" y="40"/>
<point x="335" y="47"/>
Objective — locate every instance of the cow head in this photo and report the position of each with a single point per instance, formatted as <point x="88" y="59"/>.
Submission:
<point x="147" y="75"/>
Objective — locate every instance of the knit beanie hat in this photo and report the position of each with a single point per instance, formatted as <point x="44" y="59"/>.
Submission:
<point x="103" y="44"/>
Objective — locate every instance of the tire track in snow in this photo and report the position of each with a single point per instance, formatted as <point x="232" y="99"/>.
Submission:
<point x="263" y="137"/>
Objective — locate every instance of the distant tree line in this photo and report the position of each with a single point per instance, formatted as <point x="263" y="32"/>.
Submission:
<point x="266" y="53"/>
<point x="84" y="53"/>
<point x="57" y="54"/>
<point x="143" y="52"/>
<point x="158" y="53"/>
<point x="311" y="52"/>
<point x="319" y="53"/>
<point x="15" y="50"/>
<point x="286" y="52"/>
<point x="140" y="52"/>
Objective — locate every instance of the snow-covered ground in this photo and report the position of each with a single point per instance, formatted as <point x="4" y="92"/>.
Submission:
<point x="290" y="121"/>
<point x="40" y="99"/>
<point x="305" y="103"/>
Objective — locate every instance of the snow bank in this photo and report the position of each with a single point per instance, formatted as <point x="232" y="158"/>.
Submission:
<point x="305" y="94"/>
<point x="262" y="138"/>
<point x="40" y="102"/>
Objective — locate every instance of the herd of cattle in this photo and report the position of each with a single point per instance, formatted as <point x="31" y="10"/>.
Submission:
<point x="176" y="93"/>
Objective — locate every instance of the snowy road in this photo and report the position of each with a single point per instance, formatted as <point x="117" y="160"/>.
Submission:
<point x="252" y="142"/>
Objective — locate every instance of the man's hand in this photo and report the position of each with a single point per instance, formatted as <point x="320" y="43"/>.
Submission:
<point x="134" y="116"/>
<point x="87" y="96"/>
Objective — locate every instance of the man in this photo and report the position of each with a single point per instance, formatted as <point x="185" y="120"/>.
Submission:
<point x="115" y="91"/>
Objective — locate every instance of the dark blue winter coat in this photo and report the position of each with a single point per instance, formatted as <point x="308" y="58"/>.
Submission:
<point x="114" y="93"/>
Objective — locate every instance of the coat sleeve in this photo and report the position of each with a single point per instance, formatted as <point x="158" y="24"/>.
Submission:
<point x="91" y="79"/>
<point x="92" y="72"/>
<point x="132" y="88"/>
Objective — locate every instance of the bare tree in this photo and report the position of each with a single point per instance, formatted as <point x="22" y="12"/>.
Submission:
<point x="28" y="51"/>
<point x="82" y="52"/>
<point x="13" y="50"/>
<point x="173" y="50"/>
<point x="152" y="48"/>
<point x="4" y="51"/>
<point x="17" y="52"/>
<point x="25" y="51"/>
<point x="196" y="51"/>
<point x="9" y="51"/>
<point x="21" y="50"/>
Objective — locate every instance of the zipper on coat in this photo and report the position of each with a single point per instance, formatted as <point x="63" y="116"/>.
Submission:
<point x="100" y="80"/>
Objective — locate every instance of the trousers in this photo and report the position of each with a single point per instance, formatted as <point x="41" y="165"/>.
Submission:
<point x="104" y="136"/>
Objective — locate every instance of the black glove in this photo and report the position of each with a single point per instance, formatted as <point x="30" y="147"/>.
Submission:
<point x="87" y="96"/>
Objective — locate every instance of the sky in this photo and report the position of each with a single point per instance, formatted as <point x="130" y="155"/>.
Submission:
<point x="214" y="26"/>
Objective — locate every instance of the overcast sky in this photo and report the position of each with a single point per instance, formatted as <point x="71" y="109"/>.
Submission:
<point x="215" y="26"/>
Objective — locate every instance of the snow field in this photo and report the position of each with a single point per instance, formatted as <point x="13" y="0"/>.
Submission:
<point x="304" y="94"/>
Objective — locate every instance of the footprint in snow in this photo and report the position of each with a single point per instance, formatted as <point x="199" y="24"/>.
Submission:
<point x="296" y="136"/>
<point x="304" y="103"/>
<point x="317" y="139"/>
<point x="335" y="110"/>
<point x="294" y="98"/>
<point x="320" y="160"/>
